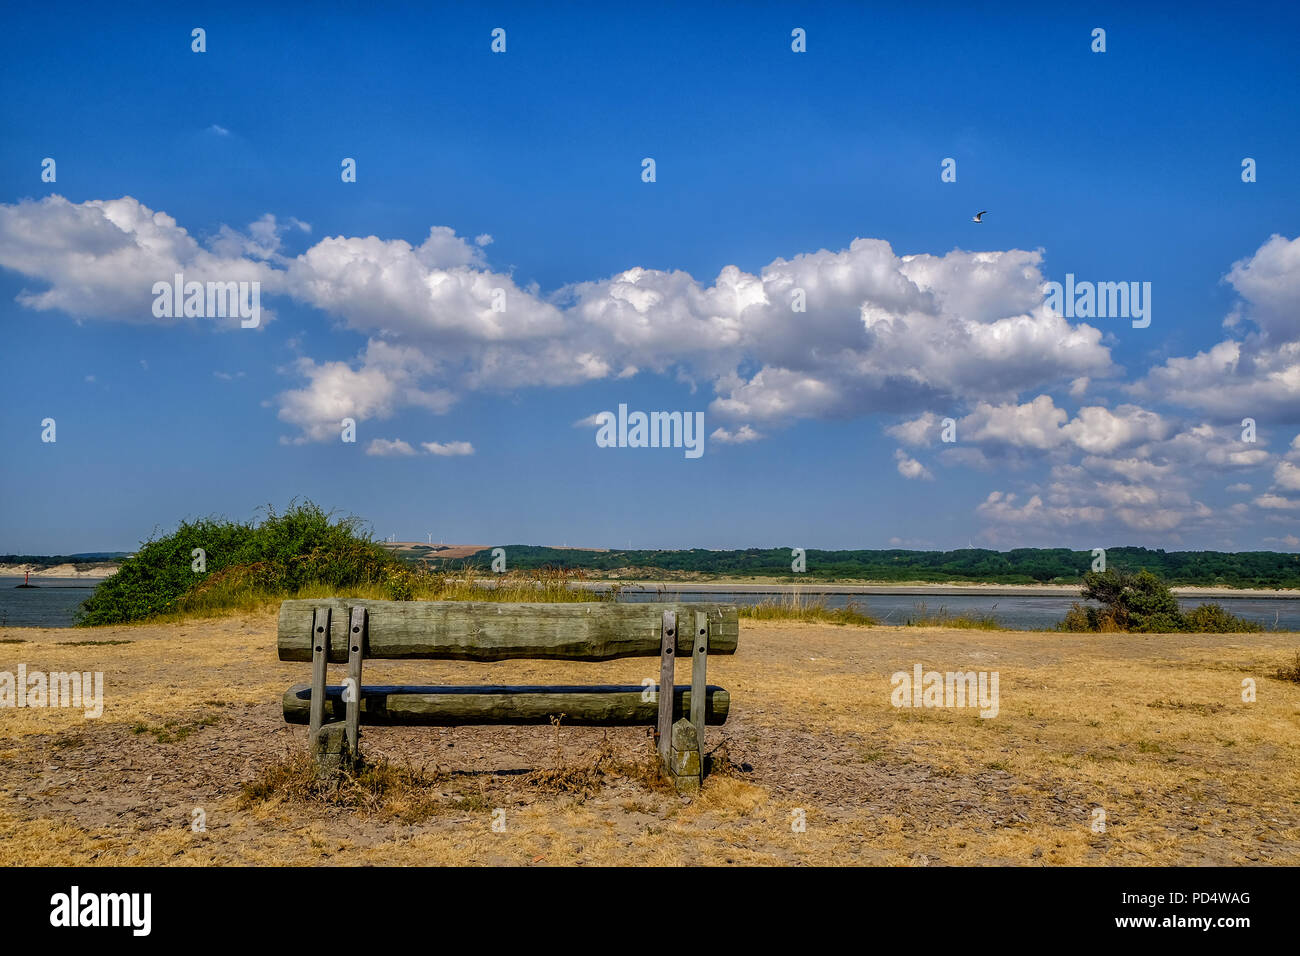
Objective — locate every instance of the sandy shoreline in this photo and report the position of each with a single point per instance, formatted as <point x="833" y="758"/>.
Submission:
<point x="58" y="571"/>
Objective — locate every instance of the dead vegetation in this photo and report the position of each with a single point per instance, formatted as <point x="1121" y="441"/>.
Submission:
<point x="1289" y="671"/>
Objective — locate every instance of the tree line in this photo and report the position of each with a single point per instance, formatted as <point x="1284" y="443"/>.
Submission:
<point x="1241" y="569"/>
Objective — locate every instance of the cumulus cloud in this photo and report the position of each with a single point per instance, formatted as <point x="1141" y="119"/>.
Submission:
<point x="385" y="448"/>
<point x="1258" y="375"/>
<point x="451" y="449"/>
<point x="101" y="258"/>
<point x="385" y="380"/>
<point x="1277" y="502"/>
<point x="878" y="331"/>
<point x="824" y="334"/>
<point x="1041" y="425"/>
<point x="910" y="468"/>
<point x="739" y="436"/>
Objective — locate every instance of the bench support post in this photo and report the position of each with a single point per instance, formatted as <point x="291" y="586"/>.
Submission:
<point x="326" y="740"/>
<point x="679" y="743"/>
<point x="699" y="669"/>
<point x="667" y="677"/>
<point x="688" y="749"/>
<point x="320" y="643"/>
<point x="352" y="695"/>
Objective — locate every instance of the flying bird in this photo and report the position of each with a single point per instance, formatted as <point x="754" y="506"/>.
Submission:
<point x="976" y="217"/>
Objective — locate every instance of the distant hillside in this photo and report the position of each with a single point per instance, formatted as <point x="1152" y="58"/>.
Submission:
<point x="50" y="560"/>
<point x="1245" y="569"/>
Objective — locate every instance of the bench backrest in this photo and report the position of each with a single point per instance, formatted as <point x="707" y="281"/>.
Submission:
<point x="497" y="631"/>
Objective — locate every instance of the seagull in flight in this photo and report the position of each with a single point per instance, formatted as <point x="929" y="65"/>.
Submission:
<point x="978" y="215"/>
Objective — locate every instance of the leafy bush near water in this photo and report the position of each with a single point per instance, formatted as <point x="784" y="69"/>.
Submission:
<point x="1143" y="603"/>
<point x="285" y="552"/>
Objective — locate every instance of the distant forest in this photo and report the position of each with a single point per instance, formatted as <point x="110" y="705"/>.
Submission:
<point x="1260" y="569"/>
<point x="50" y="560"/>
<point x="1242" y="569"/>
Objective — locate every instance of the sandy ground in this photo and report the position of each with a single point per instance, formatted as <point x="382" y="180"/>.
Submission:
<point x="59" y="571"/>
<point x="1152" y="730"/>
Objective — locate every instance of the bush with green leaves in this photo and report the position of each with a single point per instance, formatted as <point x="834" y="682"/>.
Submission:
<point x="1143" y="603"/>
<point x="281" y="554"/>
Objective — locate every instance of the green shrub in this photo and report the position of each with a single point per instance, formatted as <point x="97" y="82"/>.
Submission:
<point x="399" y="584"/>
<point x="1144" y="604"/>
<point x="304" y="546"/>
<point x="1080" y="617"/>
<point x="1213" y="619"/>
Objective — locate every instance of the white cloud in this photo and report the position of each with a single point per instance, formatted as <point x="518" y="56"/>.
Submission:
<point x="1277" y="503"/>
<point x="1097" y="429"/>
<point x="101" y="258"/>
<point x="910" y="468"/>
<point x="1286" y="475"/>
<point x="1258" y="376"/>
<point x="386" y="380"/>
<point x="738" y="436"/>
<point x="449" y="449"/>
<point x="385" y="448"/>
<point x="917" y="336"/>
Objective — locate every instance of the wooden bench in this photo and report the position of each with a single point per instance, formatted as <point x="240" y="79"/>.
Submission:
<point x="345" y="631"/>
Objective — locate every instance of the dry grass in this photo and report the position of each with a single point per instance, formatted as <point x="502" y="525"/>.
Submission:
<point x="1152" y="729"/>
<point x="236" y="592"/>
<point x="1289" y="671"/>
<point x="945" y="618"/>
<point x="794" y="606"/>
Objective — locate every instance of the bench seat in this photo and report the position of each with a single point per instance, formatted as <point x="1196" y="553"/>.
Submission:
<point x="607" y="705"/>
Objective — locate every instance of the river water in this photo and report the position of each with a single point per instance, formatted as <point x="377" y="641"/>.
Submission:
<point x="52" y="603"/>
<point x="1034" y="613"/>
<point x="55" y="601"/>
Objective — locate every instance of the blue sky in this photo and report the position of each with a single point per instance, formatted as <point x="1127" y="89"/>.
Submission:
<point x="774" y="170"/>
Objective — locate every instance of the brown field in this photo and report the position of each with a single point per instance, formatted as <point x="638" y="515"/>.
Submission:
<point x="1150" y="728"/>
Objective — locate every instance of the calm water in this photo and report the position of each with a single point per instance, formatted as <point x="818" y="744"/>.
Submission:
<point x="1024" y="613"/>
<point x="53" y="603"/>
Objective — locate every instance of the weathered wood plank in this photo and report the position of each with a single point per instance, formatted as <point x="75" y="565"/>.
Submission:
<point x="667" y="662"/>
<point x="494" y="631"/>
<point x="699" y="668"/>
<point x="316" y="635"/>
<point x="583" y="706"/>
<point x="356" y="646"/>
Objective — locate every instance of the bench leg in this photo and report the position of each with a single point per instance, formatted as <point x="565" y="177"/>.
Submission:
<point x="679" y="742"/>
<point x="320" y="651"/>
<point x="685" y="764"/>
<point x="667" y="680"/>
<point x="329" y="748"/>
<point x="352" y="696"/>
<point x="699" y="678"/>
